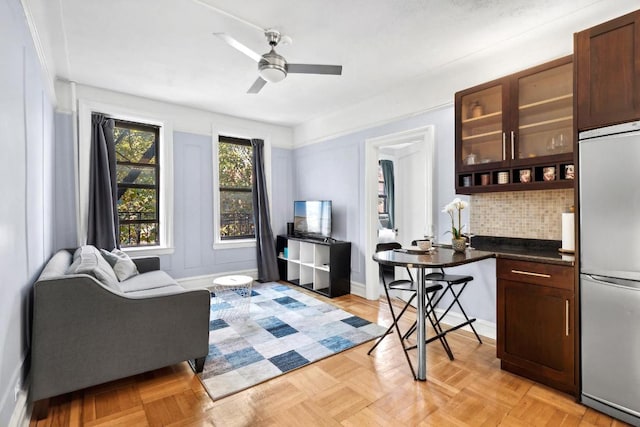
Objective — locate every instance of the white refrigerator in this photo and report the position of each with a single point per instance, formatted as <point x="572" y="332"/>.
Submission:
<point x="609" y="177"/>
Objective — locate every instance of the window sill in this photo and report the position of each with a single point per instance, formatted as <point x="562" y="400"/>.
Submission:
<point x="234" y="244"/>
<point x="149" y="250"/>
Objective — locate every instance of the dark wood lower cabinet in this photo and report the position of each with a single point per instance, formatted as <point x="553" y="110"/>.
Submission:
<point x="536" y="322"/>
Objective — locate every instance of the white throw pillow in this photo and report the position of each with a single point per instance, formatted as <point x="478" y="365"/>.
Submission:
<point x="87" y="260"/>
<point x="121" y="263"/>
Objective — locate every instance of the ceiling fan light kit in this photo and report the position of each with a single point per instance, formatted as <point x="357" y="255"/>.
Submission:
<point x="272" y="67"/>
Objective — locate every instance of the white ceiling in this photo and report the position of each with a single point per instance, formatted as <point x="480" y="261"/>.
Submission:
<point x="164" y="50"/>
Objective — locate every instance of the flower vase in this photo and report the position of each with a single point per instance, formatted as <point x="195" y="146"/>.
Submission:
<point x="459" y="245"/>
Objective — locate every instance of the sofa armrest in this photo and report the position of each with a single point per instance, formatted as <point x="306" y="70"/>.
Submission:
<point x="147" y="263"/>
<point x="86" y="334"/>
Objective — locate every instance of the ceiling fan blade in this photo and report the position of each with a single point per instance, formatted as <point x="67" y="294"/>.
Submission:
<point x="237" y="45"/>
<point x="257" y="85"/>
<point x="314" y="69"/>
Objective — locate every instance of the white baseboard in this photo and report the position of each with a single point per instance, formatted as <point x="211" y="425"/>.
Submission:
<point x="483" y="327"/>
<point x="206" y="281"/>
<point x="22" y="411"/>
<point x="359" y="289"/>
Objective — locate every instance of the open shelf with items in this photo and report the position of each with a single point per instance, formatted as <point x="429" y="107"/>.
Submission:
<point x="518" y="123"/>
<point x="538" y="177"/>
<point x="322" y="267"/>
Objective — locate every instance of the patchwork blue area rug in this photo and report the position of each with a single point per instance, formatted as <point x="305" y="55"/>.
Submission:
<point x="283" y="330"/>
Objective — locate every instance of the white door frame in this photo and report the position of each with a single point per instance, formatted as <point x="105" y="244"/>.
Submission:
<point x="424" y="135"/>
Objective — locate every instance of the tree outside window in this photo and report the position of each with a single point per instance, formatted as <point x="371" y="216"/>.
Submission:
<point x="235" y="169"/>
<point x="138" y="183"/>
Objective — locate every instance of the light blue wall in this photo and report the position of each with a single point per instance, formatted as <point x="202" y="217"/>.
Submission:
<point x="193" y="214"/>
<point x="334" y="170"/>
<point x="193" y="209"/>
<point x="282" y="184"/>
<point x="26" y="186"/>
<point x="65" y="233"/>
<point x="193" y="204"/>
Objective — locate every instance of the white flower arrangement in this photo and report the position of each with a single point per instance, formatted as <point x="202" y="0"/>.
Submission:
<point x="456" y="205"/>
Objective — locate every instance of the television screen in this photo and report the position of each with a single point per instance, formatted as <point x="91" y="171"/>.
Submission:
<point x="312" y="218"/>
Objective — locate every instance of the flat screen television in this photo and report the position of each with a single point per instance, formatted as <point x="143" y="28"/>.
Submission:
<point x="312" y="218"/>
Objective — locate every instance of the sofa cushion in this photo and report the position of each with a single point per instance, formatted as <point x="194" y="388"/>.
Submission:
<point x="121" y="263"/>
<point x="57" y="265"/>
<point x="87" y="260"/>
<point x="148" y="280"/>
<point x="165" y="290"/>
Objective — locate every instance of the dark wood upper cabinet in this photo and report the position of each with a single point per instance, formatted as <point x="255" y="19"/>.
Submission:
<point x="608" y="72"/>
<point x="516" y="133"/>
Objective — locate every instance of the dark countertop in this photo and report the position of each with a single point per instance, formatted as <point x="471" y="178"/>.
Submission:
<point x="439" y="257"/>
<point x="537" y="250"/>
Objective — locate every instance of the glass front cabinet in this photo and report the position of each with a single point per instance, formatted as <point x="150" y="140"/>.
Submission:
<point x="516" y="133"/>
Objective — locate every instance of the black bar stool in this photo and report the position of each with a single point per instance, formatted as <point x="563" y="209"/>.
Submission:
<point x="410" y="286"/>
<point x="451" y="280"/>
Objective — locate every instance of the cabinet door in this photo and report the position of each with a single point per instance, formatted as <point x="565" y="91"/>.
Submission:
<point x="535" y="331"/>
<point x="544" y="114"/>
<point x="481" y="116"/>
<point x="608" y="72"/>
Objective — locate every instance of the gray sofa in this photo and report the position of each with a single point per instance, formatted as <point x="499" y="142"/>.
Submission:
<point x="87" y="333"/>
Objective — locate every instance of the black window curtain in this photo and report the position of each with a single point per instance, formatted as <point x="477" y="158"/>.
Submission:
<point x="103" y="210"/>
<point x="265" y="244"/>
<point x="387" y="173"/>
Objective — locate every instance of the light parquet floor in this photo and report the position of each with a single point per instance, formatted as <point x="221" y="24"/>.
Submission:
<point x="348" y="389"/>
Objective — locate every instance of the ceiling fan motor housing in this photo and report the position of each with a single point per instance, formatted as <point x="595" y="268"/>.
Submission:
<point x="273" y="37"/>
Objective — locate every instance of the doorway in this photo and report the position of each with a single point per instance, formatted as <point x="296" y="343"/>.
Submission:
<point x="412" y="152"/>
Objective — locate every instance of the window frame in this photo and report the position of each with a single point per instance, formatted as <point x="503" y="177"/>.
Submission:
<point x="239" y="133"/>
<point x="225" y="139"/>
<point x="126" y="124"/>
<point x="165" y="155"/>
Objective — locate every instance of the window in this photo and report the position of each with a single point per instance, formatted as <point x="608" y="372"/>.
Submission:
<point x="382" y="194"/>
<point x="235" y="169"/>
<point x="138" y="183"/>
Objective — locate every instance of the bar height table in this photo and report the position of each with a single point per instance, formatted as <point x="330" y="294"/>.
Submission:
<point x="440" y="257"/>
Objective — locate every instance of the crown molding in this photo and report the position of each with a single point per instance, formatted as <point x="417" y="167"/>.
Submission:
<point x="37" y="43"/>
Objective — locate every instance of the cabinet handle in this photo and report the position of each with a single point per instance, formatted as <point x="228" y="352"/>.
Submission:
<point x="529" y="273"/>
<point x="513" y="145"/>
<point x="504" y="146"/>
<point x="566" y="316"/>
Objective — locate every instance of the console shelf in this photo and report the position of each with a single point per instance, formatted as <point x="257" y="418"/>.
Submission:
<point x="323" y="267"/>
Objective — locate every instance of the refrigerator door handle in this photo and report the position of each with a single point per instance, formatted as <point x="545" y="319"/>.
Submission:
<point x="623" y="283"/>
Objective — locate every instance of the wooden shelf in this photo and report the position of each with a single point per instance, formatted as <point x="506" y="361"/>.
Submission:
<point x="485" y="117"/>
<point x="546" y="102"/>
<point x="548" y="123"/>
<point x="481" y="135"/>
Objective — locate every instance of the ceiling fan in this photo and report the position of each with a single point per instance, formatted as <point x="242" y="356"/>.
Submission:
<point x="272" y="67"/>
